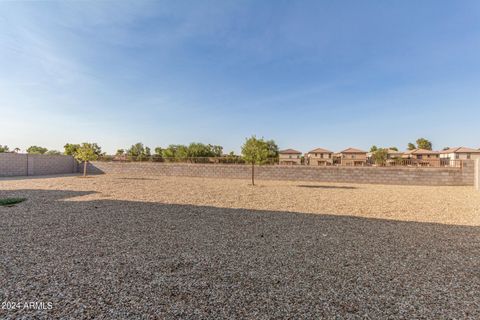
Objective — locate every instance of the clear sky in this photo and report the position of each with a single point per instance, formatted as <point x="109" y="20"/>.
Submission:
<point x="331" y="74"/>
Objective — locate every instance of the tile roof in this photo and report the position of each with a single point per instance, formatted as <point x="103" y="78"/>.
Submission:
<point x="460" y="150"/>
<point x="352" y="150"/>
<point x="289" y="151"/>
<point x="320" y="150"/>
<point x="421" y="151"/>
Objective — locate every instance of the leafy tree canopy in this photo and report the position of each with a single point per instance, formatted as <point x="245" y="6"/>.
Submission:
<point x="70" y="149"/>
<point x="87" y="152"/>
<point x="53" y="153"/>
<point x="139" y="152"/>
<point x="411" y="146"/>
<point x="255" y="151"/>
<point x="3" y="148"/>
<point x="36" y="150"/>
<point x="423" y="143"/>
<point x="380" y="156"/>
<point x="272" y="149"/>
<point x="394" y="148"/>
<point x="373" y="148"/>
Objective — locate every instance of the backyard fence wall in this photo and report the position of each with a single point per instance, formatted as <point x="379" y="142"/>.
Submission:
<point x="14" y="164"/>
<point x="447" y="176"/>
<point x="477" y="174"/>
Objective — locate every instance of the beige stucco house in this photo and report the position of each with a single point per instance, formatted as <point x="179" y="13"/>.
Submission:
<point x="422" y="157"/>
<point x="289" y="157"/>
<point x="421" y="154"/>
<point x="353" y="157"/>
<point x="320" y="157"/>
<point x="460" y="153"/>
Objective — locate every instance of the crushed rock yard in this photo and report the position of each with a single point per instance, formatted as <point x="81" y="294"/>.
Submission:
<point x="123" y="246"/>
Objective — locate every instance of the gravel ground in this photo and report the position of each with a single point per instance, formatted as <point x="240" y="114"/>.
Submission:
<point x="116" y="246"/>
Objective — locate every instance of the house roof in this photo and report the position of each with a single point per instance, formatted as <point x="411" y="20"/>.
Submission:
<point x="289" y="151"/>
<point x="320" y="150"/>
<point x="420" y="151"/>
<point x="352" y="150"/>
<point x="460" y="150"/>
<point x="391" y="151"/>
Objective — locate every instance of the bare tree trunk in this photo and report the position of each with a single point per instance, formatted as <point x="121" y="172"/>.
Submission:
<point x="85" y="168"/>
<point x="253" y="173"/>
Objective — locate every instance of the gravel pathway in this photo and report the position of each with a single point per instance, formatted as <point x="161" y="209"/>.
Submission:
<point x="116" y="247"/>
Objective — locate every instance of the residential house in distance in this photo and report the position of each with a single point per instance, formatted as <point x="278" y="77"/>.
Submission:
<point x="320" y="157"/>
<point x="353" y="157"/>
<point x="289" y="157"/>
<point x="392" y="155"/>
<point x="423" y="157"/>
<point x="460" y="153"/>
<point x="421" y="154"/>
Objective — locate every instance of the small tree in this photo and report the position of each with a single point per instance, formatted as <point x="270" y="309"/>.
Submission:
<point x="374" y="148"/>
<point x="380" y="156"/>
<point x="410" y="146"/>
<point x="71" y="149"/>
<point x="3" y="148"/>
<point x="86" y="152"/>
<point x="36" y="150"/>
<point x="255" y="151"/>
<point x="423" y="143"/>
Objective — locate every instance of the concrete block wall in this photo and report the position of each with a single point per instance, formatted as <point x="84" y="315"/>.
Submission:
<point x="389" y="175"/>
<point x="477" y="174"/>
<point x="13" y="164"/>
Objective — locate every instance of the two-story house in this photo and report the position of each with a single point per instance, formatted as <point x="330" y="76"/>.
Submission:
<point x="353" y="157"/>
<point x="289" y="157"/>
<point x="320" y="157"/>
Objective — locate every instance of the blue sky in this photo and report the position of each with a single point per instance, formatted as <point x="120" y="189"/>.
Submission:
<point x="308" y="74"/>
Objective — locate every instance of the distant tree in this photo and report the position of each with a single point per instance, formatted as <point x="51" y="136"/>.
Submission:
<point x="272" y="149"/>
<point x="86" y="152"/>
<point x="200" y="150"/>
<point x="70" y="149"/>
<point x="373" y="148"/>
<point x="411" y="146"/>
<point x="16" y="150"/>
<point x="423" y="143"/>
<point x="446" y="148"/>
<point x="380" y="156"/>
<point x="3" y="148"/>
<point x="255" y="151"/>
<point x="175" y="151"/>
<point x="139" y="152"/>
<point x="394" y="148"/>
<point x="217" y="151"/>
<point x="36" y="150"/>
<point x="120" y="152"/>
<point x="53" y="153"/>
<point x="158" y="151"/>
<point x="197" y="150"/>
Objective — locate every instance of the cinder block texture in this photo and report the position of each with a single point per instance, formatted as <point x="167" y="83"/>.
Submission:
<point x="448" y="176"/>
<point x="13" y="164"/>
<point x="477" y="174"/>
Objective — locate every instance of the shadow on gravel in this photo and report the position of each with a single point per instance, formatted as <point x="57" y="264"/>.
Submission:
<point x="324" y="186"/>
<point x="127" y="259"/>
<point x="39" y="176"/>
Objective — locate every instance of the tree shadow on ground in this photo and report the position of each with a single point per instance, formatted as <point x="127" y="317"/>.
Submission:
<point x="324" y="186"/>
<point x="130" y="259"/>
<point x="6" y="178"/>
